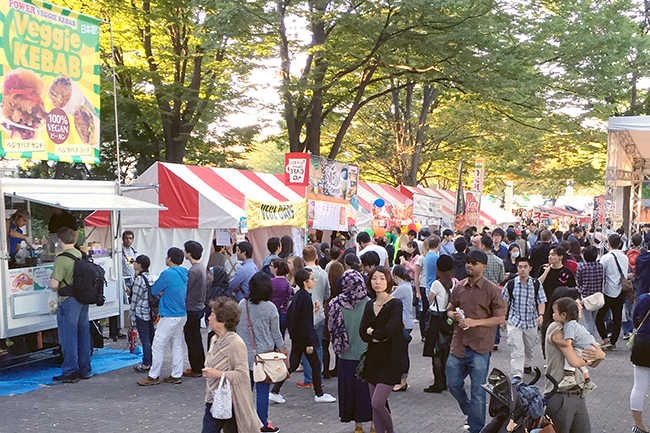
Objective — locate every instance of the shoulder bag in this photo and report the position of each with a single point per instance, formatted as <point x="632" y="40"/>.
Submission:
<point x="626" y="284"/>
<point x="269" y="367"/>
<point x="630" y="341"/>
<point x="594" y="302"/>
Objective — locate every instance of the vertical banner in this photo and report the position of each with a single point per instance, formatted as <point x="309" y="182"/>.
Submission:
<point x="460" y="221"/>
<point x="479" y="170"/>
<point x="473" y="208"/>
<point x="49" y="65"/>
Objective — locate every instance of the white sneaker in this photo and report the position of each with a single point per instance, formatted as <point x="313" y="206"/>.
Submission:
<point x="325" y="398"/>
<point x="465" y="427"/>
<point x="276" y="398"/>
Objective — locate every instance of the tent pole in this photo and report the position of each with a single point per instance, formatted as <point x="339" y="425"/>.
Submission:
<point x="117" y="130"/>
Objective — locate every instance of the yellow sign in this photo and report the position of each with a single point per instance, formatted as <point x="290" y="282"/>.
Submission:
<point x="287" y="213"/>
<point x="49" y="69"/>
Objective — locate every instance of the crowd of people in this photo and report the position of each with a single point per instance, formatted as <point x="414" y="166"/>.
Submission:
<point x="364" y="296"/>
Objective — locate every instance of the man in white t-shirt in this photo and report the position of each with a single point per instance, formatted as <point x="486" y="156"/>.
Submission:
<point x="366" y="244"/>
<point x="614" y="263"/>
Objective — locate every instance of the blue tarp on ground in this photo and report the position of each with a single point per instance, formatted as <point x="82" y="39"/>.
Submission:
<point x="29" y="377"/>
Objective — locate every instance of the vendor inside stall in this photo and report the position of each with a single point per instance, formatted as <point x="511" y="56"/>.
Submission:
<point x="15" y="233"/>
<point x="17" y="220"/>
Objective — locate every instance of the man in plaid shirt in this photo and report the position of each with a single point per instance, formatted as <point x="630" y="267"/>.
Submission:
<point x="526" y="307"/>
<point x="590" y="278"/>
<point x="494" y="270"/>
<point x="140" y="311"/>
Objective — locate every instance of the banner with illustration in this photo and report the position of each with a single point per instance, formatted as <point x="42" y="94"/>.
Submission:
<point x="49" y="63"/>
<point x="288" y="213"/>
<point x="331" y="180"/>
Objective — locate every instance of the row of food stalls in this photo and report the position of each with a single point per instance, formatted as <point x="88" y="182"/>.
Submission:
<point x="205" y="203"/>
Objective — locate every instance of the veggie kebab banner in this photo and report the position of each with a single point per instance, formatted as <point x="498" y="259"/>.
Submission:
<point x="288" y="213"/>
<point x="49" y="63"/>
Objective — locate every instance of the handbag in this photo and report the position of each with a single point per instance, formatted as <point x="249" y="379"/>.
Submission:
<point x="630" y="341"/>
<point x="222" y="400"/>
<point x="268" y="367"/>
<point x="594" y="302"/>
<point x="626" y="285"/>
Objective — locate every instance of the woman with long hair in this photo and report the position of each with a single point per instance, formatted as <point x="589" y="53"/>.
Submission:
<point x="227" y="356"/>
<point x="438" y="336"/>
<point x="287" y="247"/>
<point x="295" y="264"/>
<point x="381" y="327"/>
<point x="345" y="312"/>
<point x="404" y="292"/>
<point x="260" y="331"/>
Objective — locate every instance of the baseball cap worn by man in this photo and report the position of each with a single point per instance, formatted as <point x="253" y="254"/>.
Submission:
<point x="477" y="256"/>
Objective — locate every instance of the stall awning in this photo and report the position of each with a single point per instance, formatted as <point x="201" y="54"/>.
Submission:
<point x="87" y="201"/>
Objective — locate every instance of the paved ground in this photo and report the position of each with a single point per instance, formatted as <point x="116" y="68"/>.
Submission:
<point x="113" y="402"/>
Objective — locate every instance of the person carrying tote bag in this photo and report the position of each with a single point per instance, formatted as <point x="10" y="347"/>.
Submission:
<point x="260" y="331"/>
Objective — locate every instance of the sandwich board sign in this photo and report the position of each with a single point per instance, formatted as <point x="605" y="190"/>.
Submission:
<point x="49" y="72"/>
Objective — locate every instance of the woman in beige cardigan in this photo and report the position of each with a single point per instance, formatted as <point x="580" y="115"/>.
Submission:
<point x="228" y="355"/>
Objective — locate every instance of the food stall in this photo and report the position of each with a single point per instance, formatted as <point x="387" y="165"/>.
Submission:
<point x="24" y="288"/>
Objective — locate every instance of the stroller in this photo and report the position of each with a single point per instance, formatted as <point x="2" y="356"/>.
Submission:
<point x="516" y="406"/>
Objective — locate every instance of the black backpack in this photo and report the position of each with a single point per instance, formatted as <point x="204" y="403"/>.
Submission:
<point x="89" y="281"/>
<point x="510" y="285"/>
<point x="154" y="300"/>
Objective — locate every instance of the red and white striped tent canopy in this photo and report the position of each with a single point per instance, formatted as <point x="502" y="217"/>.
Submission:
<point x="209" y="197"/>
<point x="491" y="214"/>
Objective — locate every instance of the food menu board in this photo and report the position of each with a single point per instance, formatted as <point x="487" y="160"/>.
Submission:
<point x="30" y="279"/>
<point x="49" y="66"/>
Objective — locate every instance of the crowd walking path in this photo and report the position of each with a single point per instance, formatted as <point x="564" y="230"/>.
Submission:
<point x="113" y="402"/>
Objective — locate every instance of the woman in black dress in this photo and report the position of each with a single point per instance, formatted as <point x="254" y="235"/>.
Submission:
<point x="381" y="327"/>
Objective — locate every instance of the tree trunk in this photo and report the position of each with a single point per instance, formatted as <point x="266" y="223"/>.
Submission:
<point x="430" y="95"/>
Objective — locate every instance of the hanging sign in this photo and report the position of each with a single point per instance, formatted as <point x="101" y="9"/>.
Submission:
<point x="49" y="63"/>
<point x="288" y="213"/>
<point x="296" y="169"/>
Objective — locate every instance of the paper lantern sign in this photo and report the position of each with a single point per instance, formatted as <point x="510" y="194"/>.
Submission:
<point x="412" y="226"/>
<point x="370" y="232"/>
<point x="418" y="226"/>
<point x="380" y="202"/>
<point x="405" y="230"/>
<point x="380" y="232"/>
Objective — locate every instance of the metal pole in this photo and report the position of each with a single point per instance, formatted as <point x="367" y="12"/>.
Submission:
<point x="117" y="130"/>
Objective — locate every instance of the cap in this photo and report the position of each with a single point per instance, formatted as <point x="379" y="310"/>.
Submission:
<point x="445" y="263"/>
<point x="478" y="256"/>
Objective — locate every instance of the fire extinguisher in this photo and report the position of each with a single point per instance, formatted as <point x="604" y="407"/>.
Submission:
<point x="132" y="335"/>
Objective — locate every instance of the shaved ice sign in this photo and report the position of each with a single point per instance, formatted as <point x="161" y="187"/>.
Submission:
<point x="49" y="67"/>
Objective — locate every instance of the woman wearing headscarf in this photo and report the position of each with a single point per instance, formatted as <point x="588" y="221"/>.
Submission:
<point x="333" y="275"/>
<point x="438" y="331"/>
<point x="345" y="312"/>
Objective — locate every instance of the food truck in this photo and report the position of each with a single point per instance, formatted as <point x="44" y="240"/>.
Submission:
<point x="25" y="284"/>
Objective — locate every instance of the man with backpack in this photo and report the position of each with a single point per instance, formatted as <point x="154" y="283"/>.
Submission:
<point x="171" y="286"/>
<point x="526" y="304"/>
<point x="71" y="314"/>
<point x="142" y="311"/>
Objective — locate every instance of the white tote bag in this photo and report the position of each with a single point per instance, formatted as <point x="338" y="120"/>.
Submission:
<point x="222" y="400"/>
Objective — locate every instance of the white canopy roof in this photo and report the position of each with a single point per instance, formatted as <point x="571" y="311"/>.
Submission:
<point x="87" y="201"/>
